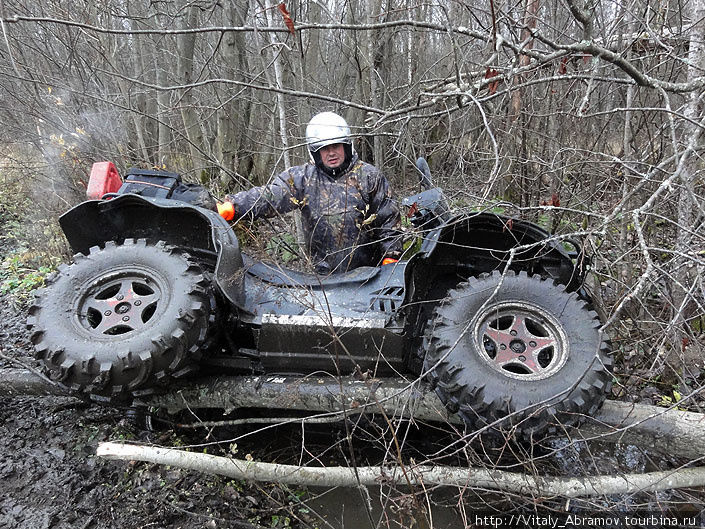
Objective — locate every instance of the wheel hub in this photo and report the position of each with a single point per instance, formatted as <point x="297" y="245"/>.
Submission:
<point x="119" y="303"/>
<point x="520" y="340"/>
<point x="517" y="346"/>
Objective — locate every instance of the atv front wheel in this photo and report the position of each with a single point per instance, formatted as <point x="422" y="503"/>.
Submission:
<point x="517" y="351"/>
<point x="122" y="319"/>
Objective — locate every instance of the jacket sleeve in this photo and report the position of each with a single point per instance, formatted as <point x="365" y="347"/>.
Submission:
<point x="388" y="220"/>
<point x="281" y="196"/>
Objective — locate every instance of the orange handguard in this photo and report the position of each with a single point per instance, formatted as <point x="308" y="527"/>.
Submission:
<point x="226" y="210"/>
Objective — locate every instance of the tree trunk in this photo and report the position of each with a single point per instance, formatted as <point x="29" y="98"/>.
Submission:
<point x="192" y="126"/>
<point x="25" y="382"/>
<point x="277" y="50"/>
<point x="232" y="115"/>
<point x="377" y="57"/>
<point x="163" y="113"/>
<point x="519" y="192"/>
<point x="625" y="174"/>
<point x="137" y="119"/>
<point x="687" y="204"/>
<point x="530" y="14"/>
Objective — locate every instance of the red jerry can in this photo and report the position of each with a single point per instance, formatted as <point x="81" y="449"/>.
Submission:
<point x="104" y="179"/>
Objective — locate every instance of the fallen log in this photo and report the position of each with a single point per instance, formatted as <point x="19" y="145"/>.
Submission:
<point x="668" y="430"/>
<point x="397" y="397"/>
<point x="25" y="382"/>
<point x="664" y="429"/>
<point x="524" y="484"/>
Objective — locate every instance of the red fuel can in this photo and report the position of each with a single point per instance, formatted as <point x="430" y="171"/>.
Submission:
<point x="104" y="179"/>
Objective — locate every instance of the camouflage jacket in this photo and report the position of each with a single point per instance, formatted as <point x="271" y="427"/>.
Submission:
<point x="348" y="221"/>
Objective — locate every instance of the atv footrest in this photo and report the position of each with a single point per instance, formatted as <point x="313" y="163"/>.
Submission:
<point x="311" y="342"/>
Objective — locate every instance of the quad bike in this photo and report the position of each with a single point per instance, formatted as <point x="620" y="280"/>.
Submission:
<point x="491" y="311"/>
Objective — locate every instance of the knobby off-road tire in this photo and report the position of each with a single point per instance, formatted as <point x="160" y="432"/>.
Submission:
<point x="122" y="320"/>
<point x="517" y="351"/>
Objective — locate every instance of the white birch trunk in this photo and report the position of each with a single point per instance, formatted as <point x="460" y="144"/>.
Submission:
<point x="416" y="475"/>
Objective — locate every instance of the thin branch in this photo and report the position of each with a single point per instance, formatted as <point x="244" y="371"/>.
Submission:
<point x="587" y="46"/>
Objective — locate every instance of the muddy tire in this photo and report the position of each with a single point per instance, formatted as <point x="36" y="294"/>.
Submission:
<point x="122" y="320"/>
<point x="517" y="352"/>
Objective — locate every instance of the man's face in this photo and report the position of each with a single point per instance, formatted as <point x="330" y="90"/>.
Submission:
<point x="333" y="155"/>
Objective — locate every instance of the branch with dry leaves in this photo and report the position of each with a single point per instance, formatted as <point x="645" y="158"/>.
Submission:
<point x="554" y="51"/>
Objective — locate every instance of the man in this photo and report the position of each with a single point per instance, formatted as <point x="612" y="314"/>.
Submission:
<point x="348" y="216"/>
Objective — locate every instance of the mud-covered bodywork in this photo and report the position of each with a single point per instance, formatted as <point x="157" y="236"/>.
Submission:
<point x="335" y="322"/>
<point x="131" y="216"/>
<point x="370" y="317"/>
<point x="457" y="246"/>
<point x="476" y="243"/>
<point x="476" y="309"/>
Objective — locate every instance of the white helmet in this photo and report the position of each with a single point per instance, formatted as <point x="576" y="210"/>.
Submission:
<point x="326" y="128"/>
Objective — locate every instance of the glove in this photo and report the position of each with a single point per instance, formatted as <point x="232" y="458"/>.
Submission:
<point x="226" y="210"/>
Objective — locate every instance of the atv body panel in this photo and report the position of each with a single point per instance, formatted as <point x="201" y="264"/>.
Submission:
<point x="484" y="242"/>
<point x="130" y="216"/>
<point x="326" y="323"/>
<point x="405" y="318"/>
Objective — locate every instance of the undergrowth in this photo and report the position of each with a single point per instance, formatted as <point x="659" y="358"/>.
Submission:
<point x="31" y="241"/>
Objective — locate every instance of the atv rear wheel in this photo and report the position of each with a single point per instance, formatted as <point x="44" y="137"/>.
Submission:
<point x="122" y="320"/>
<point x="517" y="351"/>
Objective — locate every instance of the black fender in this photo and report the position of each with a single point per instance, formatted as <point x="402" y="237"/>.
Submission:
<point x="484" y="242"/>
<point x="469" y="245"/>
<point x="94" y="222"/>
